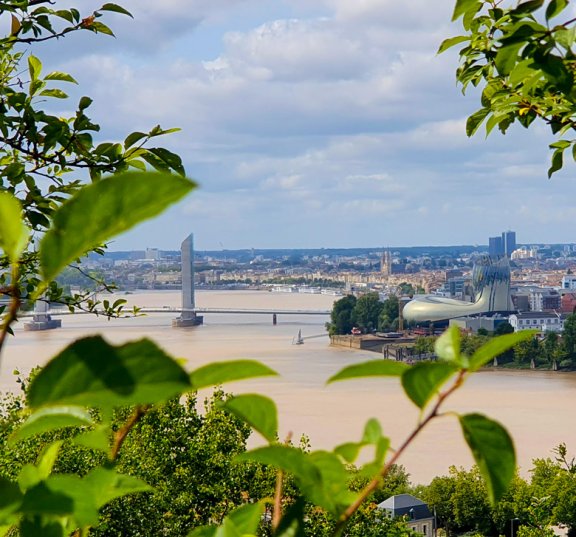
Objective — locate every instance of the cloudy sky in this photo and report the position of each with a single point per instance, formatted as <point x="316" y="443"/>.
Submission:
<point x="314" y="123"/>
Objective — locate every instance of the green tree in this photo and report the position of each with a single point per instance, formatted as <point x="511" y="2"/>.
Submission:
<point x="186" y="455"/>
<point x="341" y="321"/>
<point x="527" y="350"/>
<point x="424" y="345"/>
<point x="520" y="55"/>
<point x="503" y="328"/>
<point x="367" y="311"/>
<point x="460" y="501"/>
<point x="550" y="346"/>
<point x="388" y="318"/>
<point x="554" y="485"/>
<point x="569" y="336"/>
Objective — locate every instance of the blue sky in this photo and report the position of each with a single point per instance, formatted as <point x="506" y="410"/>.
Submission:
<point x="314" y="123"/>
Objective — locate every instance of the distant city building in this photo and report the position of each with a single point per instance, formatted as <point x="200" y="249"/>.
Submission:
<point x="503" y="245"/>
<point x="152" y="253"/>
<point x="544" y="299"/>
<point x="386" y="263"/>
<point x="509" y="242"/>
<point x="495" y="247"/>
<point x="491" y="283"/>
<point x="415" y="512"/>
<point x="568" y="303"/>
<point x="537" y="320"/>
<point x="569" y="281"/>
<point x="525" y="253"/>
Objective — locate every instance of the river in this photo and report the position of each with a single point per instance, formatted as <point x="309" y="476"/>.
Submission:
<point x="536" y="407"/>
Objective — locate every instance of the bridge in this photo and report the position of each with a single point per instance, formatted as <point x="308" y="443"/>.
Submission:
<point x="236" y="311"/>
<point x="189" y="314"/>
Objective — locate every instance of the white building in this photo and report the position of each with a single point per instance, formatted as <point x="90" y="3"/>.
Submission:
<point x="536" y="320"/>
<point x="569" y="281"/>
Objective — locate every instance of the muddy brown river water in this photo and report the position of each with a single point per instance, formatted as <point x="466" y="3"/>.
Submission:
<point x="536" y="407"/>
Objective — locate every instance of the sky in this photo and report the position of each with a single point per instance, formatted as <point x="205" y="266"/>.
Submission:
<point x="313" y="123"/>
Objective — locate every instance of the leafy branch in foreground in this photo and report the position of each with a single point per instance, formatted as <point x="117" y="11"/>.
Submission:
<point x="46" y="158"/>
<point x="321" y="476"/>
<point x="522" y="56"/>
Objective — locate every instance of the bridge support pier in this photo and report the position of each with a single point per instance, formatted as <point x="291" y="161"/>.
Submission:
<point x="181" y="322"/>
<point x="42" y="320"/>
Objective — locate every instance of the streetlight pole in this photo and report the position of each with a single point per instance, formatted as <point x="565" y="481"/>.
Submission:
<point x="512" y="520"/>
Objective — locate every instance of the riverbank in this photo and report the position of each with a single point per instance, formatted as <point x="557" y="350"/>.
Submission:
<point x="401" y="349"/>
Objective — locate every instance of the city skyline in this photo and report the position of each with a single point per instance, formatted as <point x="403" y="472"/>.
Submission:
<point x="318" y="123"/>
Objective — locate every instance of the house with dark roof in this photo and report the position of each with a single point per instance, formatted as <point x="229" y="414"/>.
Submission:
<point x="416" y="513"/>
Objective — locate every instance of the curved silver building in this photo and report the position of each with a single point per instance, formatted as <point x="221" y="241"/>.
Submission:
<point x="491" y="281"/>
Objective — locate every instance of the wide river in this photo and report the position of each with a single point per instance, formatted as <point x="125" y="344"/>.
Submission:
<point x="536" y="407"/>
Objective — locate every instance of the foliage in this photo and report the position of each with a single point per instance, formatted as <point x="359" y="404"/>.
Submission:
<point x="521" y="55"/>
<point x="424" y="345"/>
<point x="503" y="328"/>
<point x="174" y="448"/>
<point x="44" y="158"/>
<point x="82" y="388"/>
<point x="388" y="318"/>
<point x="341" y="316"/>
<point x="367" y="311"/>
<point x="569" y="336"/>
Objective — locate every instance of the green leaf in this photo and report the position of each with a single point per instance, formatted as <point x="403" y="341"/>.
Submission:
<point x="47" y="459"/>
<point x="84" y="103"/>
<point x="493" y="451"/>
<point x="447" y="346"/>
<point x="373" y="368"/>
<point x="10" y="498"/>
<point x="171" y="159"/>
<point x="133" y="138"/>
<point x="497" y="346"/>
<point x="34" y="67"/>
<point x="106" y="485"/>
<point x="566" y="36"/>
<point x="557" y="162"/>
<point x="256" y="410"/>
<point x="116" y="8"/>
<point x="507" y="57"/>
<point x="104" y="209"/>
<point x="292" y="522"/>
<point x="451" y="41"/>
<point x="221" y="372"/>
<point x="13" y="232"/>
<point x="247" y="518"/>
<point x="372" y="431"/>
<point x="98" y="439"/>
<point x="423" y="380"/>
<point x="464" y="6"/>
<point x="555" y="7"/>
<point x="91" y="372"/>
<point x="59" y="75"/>
<point x="203" y="531"/>
<point x="42" y="500"/>
<point x="527" y="7"/>
<point x="56" y="93"/>
<point x="48" y="419"/>
<point x="333" y="494"/>
<point x="475" y="120"/>
<point x="33" y="527"/>
<point x="289" y="459"/>
<point x="99" y="27"/>
<point x="349" y="451"/>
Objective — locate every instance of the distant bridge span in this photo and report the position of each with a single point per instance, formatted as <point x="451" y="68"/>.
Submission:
<point x="166" y="309"/>
<point x="237" y="311"/>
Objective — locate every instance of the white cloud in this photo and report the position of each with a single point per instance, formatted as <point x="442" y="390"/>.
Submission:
<point x="314" y="129"/>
